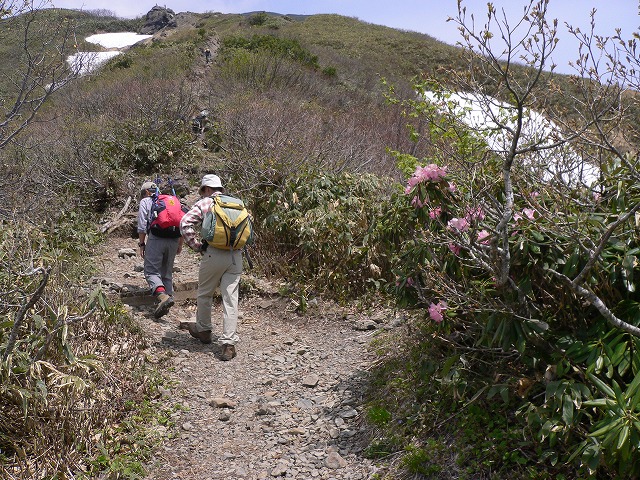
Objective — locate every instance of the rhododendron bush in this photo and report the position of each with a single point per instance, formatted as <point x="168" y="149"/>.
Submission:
<point x="528" y="277"/>
<point x="507" y="284"/>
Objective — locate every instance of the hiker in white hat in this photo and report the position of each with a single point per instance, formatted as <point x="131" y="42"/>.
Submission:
<point x="218" y="268"/>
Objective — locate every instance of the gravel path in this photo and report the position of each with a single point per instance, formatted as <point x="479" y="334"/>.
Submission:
<point x="288" y="406"/>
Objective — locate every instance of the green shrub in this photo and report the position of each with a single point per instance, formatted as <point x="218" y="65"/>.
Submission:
<point x="573" y="377"/>
<point x="418" y="460"/>
<point x="121" y="61"/>
<point x="379" y="416"/>
<point x="322" y="224"/>
<point x="258" y="19"/>
<point x="276" y="46"/>
<point x="144" y="147"/>
<point x="329" y="71"/>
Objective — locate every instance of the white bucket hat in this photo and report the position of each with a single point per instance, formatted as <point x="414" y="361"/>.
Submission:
<point x="147" y="186"/>
<point x="212" y="181"/>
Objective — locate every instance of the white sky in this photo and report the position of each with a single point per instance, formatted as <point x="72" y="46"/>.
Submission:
<point x="425" y="16"/>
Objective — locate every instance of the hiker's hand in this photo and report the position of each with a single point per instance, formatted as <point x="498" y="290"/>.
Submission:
<point x="141" y="249"/>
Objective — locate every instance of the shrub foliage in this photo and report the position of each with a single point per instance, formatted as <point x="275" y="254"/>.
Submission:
<point x="69" y="362"/>
<point x="510" y="357"/>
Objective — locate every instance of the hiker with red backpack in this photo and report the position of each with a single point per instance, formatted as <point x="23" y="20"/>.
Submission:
<point x="159" y="242"/>
<point x="218" y="226"/>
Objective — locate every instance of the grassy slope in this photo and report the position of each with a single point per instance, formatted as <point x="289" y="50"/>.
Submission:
<point x="363" y="52"/>
<point x="360" y="52"/>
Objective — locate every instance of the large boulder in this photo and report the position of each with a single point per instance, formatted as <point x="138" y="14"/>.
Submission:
<point x="156" y="19"/>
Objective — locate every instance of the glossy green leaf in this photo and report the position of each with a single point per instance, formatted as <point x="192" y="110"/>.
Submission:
<point x="600" y="402"/>
<point x="537" y="236"/>
<point x="577" y="451"/>
<point x="623" y="436"/>
<point x="599" y="364"/>
<point x="567" y="410"/>
<point x="618" y="353"/>
<point x="633" y="388"/>
<point x="606" y="426"/>
<point x="591" y="457"/>
<point x="603" y="387"/>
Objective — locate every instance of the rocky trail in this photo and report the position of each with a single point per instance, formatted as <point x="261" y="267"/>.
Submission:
<point x="288" y="406"/>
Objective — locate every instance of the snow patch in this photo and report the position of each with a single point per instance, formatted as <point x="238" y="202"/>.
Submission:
<point x="489" y="116"/>
<point x="83" y="63"/>
<point x="117" y="40"/>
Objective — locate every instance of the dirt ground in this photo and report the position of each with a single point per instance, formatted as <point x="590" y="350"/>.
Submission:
<point x="290" y="405"/>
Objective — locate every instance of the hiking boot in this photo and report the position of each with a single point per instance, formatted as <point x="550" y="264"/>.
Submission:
<point x="166" y="302"/>
<point x="228" y="352"/>
<point x="204" y="336"/>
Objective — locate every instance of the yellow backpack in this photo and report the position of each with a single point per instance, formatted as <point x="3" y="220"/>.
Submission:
<point x="227" y="225"/>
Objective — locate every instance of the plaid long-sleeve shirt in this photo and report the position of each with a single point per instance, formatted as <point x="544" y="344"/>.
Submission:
<point x="191" y="223"/>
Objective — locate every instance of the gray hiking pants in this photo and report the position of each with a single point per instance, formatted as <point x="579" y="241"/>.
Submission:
<point x="159" y="256"/>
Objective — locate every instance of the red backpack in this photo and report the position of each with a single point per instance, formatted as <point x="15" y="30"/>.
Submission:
<point x="166" y="213"/>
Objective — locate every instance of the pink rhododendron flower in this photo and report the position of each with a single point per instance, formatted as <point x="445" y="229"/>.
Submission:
<point x="416" y="202"/>
<point x="431" y="172"/>
<point x="452" y="187"/>
<point x="428" y="173"/>
<point x="435" y="213"/>
<point x="412" y="182"/>
<point x="435" y="311"/>
<point x="460" y="224"/>
<point x="475" y="214"/>
<point x="482" y="237"/>
<point x="517" y="217"/>
<point x="534" y="194"/>
<point x="455" y="248"/>
<point x="529" y="213"/>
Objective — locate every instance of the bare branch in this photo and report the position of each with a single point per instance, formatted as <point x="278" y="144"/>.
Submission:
<point x="597" y="302"/>
<point x="17" y="323"/>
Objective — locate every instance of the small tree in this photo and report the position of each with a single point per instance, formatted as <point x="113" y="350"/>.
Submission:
<point x="40" y="66"/>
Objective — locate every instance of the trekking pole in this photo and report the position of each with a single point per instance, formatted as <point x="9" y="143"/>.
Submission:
<point x="246" y="254"/>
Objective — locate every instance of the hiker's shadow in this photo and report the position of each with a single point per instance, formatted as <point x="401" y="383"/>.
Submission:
<point x="179" y="339"/>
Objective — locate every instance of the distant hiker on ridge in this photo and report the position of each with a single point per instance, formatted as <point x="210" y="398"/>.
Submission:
<point x="200" y="122"/>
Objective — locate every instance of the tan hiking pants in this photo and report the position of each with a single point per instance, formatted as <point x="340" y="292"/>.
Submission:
<point x="219" y="268"/>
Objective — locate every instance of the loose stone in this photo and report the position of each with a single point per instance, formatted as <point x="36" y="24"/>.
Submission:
<point x="310" y="380"/>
